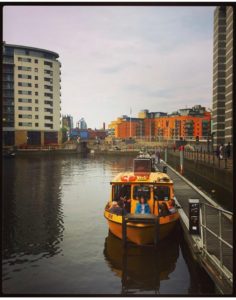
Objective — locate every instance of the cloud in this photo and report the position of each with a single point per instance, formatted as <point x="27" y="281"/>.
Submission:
<point x="158" y="58"/>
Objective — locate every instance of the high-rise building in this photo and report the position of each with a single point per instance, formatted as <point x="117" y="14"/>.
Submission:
<point x="82" y="124"/>
<point x="31" y="96"/>
<point x="67" y="122"/>
<point x="222" y="110"/>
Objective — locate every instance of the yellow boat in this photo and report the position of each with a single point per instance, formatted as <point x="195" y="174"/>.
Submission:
<point x="158" y="191"/>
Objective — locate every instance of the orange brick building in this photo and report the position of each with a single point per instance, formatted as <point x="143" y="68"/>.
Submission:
<point x="168" y="127"/>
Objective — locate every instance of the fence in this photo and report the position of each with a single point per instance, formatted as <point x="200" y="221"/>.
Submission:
<point x="216" y="237"/>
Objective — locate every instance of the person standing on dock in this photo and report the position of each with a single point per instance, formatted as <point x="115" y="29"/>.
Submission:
<point x="228" y="150"/>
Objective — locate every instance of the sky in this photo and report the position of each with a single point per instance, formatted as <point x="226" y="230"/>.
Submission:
<point x="117" y="59"/>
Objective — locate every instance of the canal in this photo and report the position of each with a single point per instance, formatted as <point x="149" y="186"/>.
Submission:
<point x="56" y="240"/>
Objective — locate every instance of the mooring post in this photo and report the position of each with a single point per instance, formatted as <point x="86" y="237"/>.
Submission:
<point x="124" y="229"/>
<point x="156" y="231"/>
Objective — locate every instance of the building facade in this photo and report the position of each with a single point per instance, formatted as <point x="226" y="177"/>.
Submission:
<point x="223" y="65"/>
<point x="31" y="96"/>
<point x="67" y="122"/>
<point x="185" y="123"/>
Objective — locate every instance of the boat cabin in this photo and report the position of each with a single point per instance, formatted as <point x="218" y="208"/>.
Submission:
<point x="155" y="188"/>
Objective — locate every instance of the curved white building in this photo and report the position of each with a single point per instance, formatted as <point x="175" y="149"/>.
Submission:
<point x="31" y="96"/>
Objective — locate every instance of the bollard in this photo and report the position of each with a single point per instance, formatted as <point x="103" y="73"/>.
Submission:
<point x="194" y="216"/>
<point x="181" y="161"/>
<point x="164" y="169"/>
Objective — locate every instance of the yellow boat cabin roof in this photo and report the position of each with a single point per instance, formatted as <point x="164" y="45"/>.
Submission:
<point x="132" y="178"/>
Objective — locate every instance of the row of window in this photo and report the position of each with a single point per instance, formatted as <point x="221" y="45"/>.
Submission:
<point x="29" y="108"/>
<point x="29" y="124"/>
<point x="24" y="76"/>
<point x="36" y="117"/>
<point x="26" y="59"/>
<point x="23" y="68"/>
<point x="27" y="100"/>
<point x="21" y="92"/>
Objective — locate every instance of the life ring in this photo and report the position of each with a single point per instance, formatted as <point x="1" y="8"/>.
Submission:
<point x="128" y="178"/>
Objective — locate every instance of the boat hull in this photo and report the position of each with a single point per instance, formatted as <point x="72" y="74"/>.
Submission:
<point x="141" y="234"/>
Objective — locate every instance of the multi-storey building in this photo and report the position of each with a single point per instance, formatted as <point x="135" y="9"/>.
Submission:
<point x="222" y="110"/>
<point x="185" y="123"/>
<point x="67" y="122"/>
<point x="31" y="96"/>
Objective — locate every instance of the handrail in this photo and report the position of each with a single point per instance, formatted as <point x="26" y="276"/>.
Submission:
<point x="205" y="230"/>
<point x="218" y="208"/>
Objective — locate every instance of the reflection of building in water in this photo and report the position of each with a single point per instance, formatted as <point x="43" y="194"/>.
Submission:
<point x="32" y="193"/>
<point x="141" y="269"/>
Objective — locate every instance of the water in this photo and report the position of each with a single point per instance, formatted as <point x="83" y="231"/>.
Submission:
<point x="56" y="240"/>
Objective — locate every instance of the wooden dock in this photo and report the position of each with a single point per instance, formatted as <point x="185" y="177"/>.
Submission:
<point x="218" y="259"/>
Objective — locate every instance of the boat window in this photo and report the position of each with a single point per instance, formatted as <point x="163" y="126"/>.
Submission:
<point x="121" y="190"/>
<point x="141" y="191"/>
<point x="161" y="192"/>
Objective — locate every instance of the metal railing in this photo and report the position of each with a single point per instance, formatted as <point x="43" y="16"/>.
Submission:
<point x="215" y="230"/>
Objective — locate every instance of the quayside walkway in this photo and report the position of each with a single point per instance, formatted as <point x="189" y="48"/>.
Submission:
<point x="212" y="247"/>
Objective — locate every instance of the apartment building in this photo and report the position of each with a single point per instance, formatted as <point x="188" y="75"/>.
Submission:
<point x="184" y="123"/>
<point x="223" y="69"/>
<point x="31" y="96"/>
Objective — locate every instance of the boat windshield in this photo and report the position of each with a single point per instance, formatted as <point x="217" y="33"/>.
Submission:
<point x="141" y="191"/>
<point x="161" y="192"/>
<point x="121" y="190"/>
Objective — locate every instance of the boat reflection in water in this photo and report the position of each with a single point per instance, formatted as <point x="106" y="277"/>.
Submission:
<point x="142" y="269"/>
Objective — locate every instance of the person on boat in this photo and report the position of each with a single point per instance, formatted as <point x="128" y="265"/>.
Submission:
<point x="142" y="207"/>
<point x="171" y="207"/>
<point x="125" y="203"/>
<point x="163" y="210"/>
<point x="115" y="208"/>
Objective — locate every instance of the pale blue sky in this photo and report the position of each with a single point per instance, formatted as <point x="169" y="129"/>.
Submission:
<point x="114" y="58"/>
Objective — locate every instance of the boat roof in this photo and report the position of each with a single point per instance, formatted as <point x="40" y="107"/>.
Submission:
<point x="134" y="178"/>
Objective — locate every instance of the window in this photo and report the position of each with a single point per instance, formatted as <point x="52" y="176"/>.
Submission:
<point x="36" y="70"/>
<point x="48" y="110"/>
<point x="25" y="92"/>
<point x="36" y="116"/>
<point x="36" y="93"/>
<point x="25" y="100"/>
<point x="48" y="125"/>
<point x="161" y="193"/>
<point x="48" y="87"/>
<point x="48" y="80"/>
<point x="49" y="95"/>
<point x="36" y="109"/>
<point x="121" y="190"/>
<point x="48" y="72"/>
<point x="25" y="124"/>
<point x="36" y="101"/>
<point x="25" y="116"/>
<point x="24" y="76"/>
<point x="36" y="124"/>
<point x="36" y="61"/>
<point x="48" y="102"/>
<point x="24" y="59"/>
<point x="36" y="85"/>
<point x="24" y="84"/>
<point x="48" y="63"/>
<point x="141" y="191"/>
<point x="25" y="108"/>
<point x="50" y="118"/>
<point x="24" y="68"/>
<point x="36" y="77"/>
